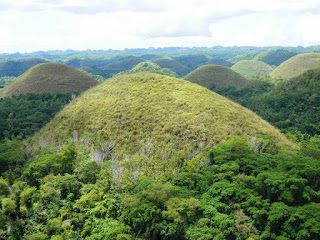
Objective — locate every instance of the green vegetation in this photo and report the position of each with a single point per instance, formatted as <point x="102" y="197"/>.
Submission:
<point x="49" y="78"/>
<point x="192" y="61"/>
<point x="123" y="65"/>
<point x="5" y="81"/>
<point x="220" y="62"/>
<point x="174" y="66"/>
<point x="211" y="76"/>
<point x="245" y="191"/>
<point x="26" y="114"/>
<point x="297" y="65"/>
<point x="275" y="57"/>
<point x="147" y="117"/>
<point x="251" y="68"/>
<point x="292" y="106"/>
<point x="15" y="68"/>
<point x="150" y="67"/>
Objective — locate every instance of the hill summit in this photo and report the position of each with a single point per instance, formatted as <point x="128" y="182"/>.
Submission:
<point x="211" y="76"/>
<point x="153" y="122"/>
<point x="49" y="78"/>
<point x="297" y="65"/>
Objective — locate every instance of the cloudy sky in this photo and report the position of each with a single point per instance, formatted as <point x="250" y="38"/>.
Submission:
<point x="32" y="25"/>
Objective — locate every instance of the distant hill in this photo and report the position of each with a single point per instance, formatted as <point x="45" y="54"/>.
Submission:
<point x="173" y="65"/>
<point x="219" y="61"/>
<point x="151" y="68"/>
<point x="211" y="76"/>
<point x="16" y="68"/>
<point x="154" y="122"/>
<point x="275" y="57"/>
<point x="297" y="65"/>
<point x="192" y="61"/>
<point x="252" y="68"/>
<point x="123" y="64"/>
<point x="49" y="78"/>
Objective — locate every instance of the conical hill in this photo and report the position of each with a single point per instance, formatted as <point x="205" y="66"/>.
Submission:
<point x="49" y="78"/>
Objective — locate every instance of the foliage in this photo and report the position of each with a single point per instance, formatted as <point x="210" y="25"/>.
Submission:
<point x="15" y="68"/>
<point x="26" y="114"/>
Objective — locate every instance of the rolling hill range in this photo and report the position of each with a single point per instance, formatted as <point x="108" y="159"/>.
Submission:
<point x="173" y="65"/>
<point x="154" y="121"/>
<point x="49" y="78"/>
<point x="296" y="65"/>
<point x="211" y="76"/>
<point x="192" y="61"/>
<point x="16" y="68"/>
<point x="252" y="68"/>
<point x="123" y="64"/>
<point x="219" y="61"/>
<point x="275" y="57"/>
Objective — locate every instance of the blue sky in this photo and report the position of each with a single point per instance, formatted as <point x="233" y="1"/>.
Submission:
<point x="32" y="25"/>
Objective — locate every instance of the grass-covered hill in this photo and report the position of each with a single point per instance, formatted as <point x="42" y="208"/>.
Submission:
<point x="212" y="76"/>
<point x="275" y="57"/>
<point x="192" y="61"/>
<point x="49" y="78"/>
<point x="16" y="68"/>
<point x="154" y="123"/>
<point x="297" y="65"/>
<point x="150" y="67"/>
<point x="219" y="61"/>
<point x="173" y="65"/>
<point x="252" y="68"/>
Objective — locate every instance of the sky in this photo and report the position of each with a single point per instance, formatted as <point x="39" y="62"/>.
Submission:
<point x="34" y="25"/>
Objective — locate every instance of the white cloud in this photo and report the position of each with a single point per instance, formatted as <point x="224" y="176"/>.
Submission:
<point x="29" y="25"/>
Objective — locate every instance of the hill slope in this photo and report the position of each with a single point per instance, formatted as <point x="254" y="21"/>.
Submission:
<point x="173" y="65"/>
<point x="297" y="65"/>
<point x="49" y="78"/>
<point x="154" y="121"/>
<point x="251" y="68"/>
<point x="192" y="61"/>
<point x="211" y="76"/>
<point x="275" y="57"/>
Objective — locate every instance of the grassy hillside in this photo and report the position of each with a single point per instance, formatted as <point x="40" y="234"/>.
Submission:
<point x="49" y="78"/>
<point x="219" y="61"/>
<point x="297" y="65"/>
<point x="275" y="57"/>
<point x="154" y="122"/>
<point x="152" y="68"/>
<point x="192" y="61"/>
<point x="211" y="76"/>
<point x="173" y="65"/>
<point x="16" y="68"/>
<point x="252" y="68"/>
